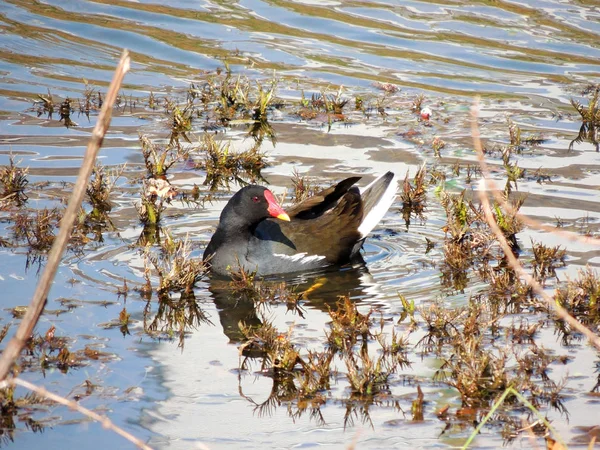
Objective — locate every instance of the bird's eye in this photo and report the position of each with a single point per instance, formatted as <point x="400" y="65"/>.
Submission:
<point x="255" y="199"/>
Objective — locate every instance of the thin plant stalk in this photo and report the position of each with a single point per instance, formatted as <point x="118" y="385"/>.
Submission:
<point x="496" y="405"/>
<point x="103" y="420"/>
<point x="511" y="258"/>
<point x="571" y="236"/>
<point x="40" y="296"/>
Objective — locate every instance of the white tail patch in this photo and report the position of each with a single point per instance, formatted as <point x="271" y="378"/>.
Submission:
<point x="376" y="213"/>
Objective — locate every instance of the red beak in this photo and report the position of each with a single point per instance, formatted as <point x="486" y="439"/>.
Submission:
<point x="274" y="209"/>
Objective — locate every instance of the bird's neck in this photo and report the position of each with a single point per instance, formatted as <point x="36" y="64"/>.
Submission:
<point x="237" y="227"/>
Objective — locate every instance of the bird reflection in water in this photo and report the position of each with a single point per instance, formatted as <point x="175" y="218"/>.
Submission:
<point x="316" y="290"/>
<point x="301" y="380"/>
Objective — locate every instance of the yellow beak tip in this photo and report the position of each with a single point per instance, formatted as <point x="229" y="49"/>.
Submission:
<point x="284" y="216"/>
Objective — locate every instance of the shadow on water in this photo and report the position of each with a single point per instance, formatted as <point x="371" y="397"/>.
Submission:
<point x="320" y="290"/>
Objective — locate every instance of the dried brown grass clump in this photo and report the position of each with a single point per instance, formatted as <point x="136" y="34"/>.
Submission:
<point x="581" y="297"/>
<point x="263" y="294"/>
<point x="177" y="311"/>
<point x="325" y="107"/>
<point x="479" y="355"/>
<point x="590" y="119"/>
<point x="176" y="269"/>
<point x="414" y="195"/>
<point x="546" y="260"/>
<point x="13" y="181"/>
<point x="98" y="192"/>
<point x="36" y="229"/>
<point x="301" y="380"/>
<point x="303" y="188"/>
<point x="223" y="166"/>
<point x="347" y="325"/>
<point x="465" y="239"/>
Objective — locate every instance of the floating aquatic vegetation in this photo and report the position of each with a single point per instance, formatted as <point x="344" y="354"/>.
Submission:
<point x="518" y="142"/>
<point x="546" y="260"/>
<point x="437" y="144"/>
<point x="156" y="189"/>
<point x="465" y="239"/>
<point x="590" y="119"/>
<point x="303" y="188"/>
<point x="91" y="101"/>
<point x="359" y="103"/>
<point x="177" y="271"/>
<point x="301" y="379"/>
<point x="414" y="195"/>
<point x="13" y="180"/>
<point x="158" y="159"/>
<point x="264" y="101"/>
<point x="482" y="349"/>
<point x="329" y="107"/>
<point x="155" y="193"/>
<point x="334" y="103"/>
<point x="230" y="94"/>
<point x="98" y="192"/>
<point x="368" y="375"/>
<point x="36" y="229"/>
<point x="44" y="105"/>
<point x="508" y="221"/>
<point x="222" y="165"/>
<point x="181" y="119"/>
<point x="347" y="325"/>
<point x="259" y="130"/>
<point x="471" y="172"/>
<point x="417" y="103"/>
<point x="247" y="287"/>
<point x="274" y="348"/>
<point x="408" y="310"/>
<point x="388" y="88"/>
<point x="513" y="173"/>
<point x="65" y="109"/>
<point x="481" y="372"/>
<point x="177" y="311"/>
<point x="176" y="315"/>
<point x="580" y="296"/>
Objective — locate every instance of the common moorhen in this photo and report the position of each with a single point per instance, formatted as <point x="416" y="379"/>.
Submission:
<point x="254" y="232"/>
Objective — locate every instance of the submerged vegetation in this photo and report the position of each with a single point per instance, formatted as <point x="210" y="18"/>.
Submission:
<point x="486" y="349"/>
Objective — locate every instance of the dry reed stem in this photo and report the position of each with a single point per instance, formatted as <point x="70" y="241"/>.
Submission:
<point x="512" y="260"/>
<point x="103" y="420"/>
<point x="569" y="235"/>
<point x="485" y="171"/>
<point x="38" y="301"/>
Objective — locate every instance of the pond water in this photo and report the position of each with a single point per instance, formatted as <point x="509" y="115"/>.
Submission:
<point x="526" y="60"/>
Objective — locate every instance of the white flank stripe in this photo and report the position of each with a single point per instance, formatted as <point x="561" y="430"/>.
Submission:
<point x="302" y="258"/>
<point x="379" y="210"/>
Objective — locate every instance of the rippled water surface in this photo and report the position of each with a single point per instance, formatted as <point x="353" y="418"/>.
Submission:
<point x="526" y="60"/>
